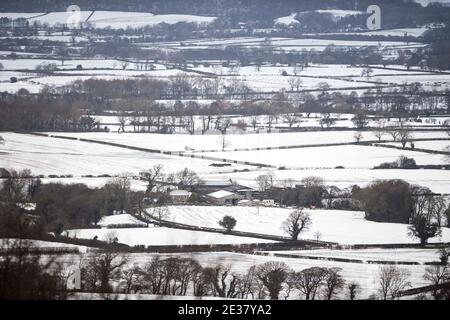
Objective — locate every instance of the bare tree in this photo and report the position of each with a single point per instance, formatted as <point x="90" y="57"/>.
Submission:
<point x="265" y="181"/>
<point x="131" y="278"/>
<point x="392" y="280"/>
<point x="298" y="221"/>
<point x="187" y="178"/>
<point x="358" y="136"/>
<point x="333" y="282"/>
<point x="223" y="141"/>
<point x="353" y="290"/>
<point x="247" y="285"/>
<point x="380" y="129"/>
<point x="426" y="218"/>
<point x="222" y="124"/>
<point x="159" y="213"/>
<point x="152" y="176"/>
<point x="273" y="274"/>
<point x="309" y="281"/>
<point x="190" y="124"/>
<point x="438" y="274"/>
<point x="360" y="120"/>
<point x="222" y="281"/>
<point x="312" y="182"/>
<point x="206" y="123"/>
<point x="295" y="83"/>
<point x="287" y="183"/>
<point x="404" y="134"/>
<point x="122" y="118"/>
<point x="101" y="268"/>
<point x="254" y="123"/>
<point x="392" y="131"/>
<point x="291" y="118"/>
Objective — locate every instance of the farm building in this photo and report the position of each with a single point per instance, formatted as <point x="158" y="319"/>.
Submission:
<point x="224" y="197"/>
<point x="179" y="196"/>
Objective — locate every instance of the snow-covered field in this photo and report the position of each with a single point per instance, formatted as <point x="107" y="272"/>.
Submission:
<point x="427" y="2"/>
<point x="160" y="236"/>
<point x="346" y="227"/>
<point x="178" y="142"/>
<point x="108" y="19"/>
<point x="351" y="156"/>
<point x="429" y="145"/>
<point x="420" y="256"/>
<point x="48" y="245"/>
<point x="120" y="219"/>
<point x="264" y="79"/>
<point x="44" y="155"/>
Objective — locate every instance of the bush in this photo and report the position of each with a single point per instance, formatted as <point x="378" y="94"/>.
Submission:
<point x="228" y="223"/>
<point x="406" y="163"/>
<point x="402" y="163"/>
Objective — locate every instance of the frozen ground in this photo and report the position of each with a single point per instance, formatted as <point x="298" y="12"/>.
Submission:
<point x="351" y="156"/>
<point x="4" y="243"/>
<point x="429" y="145"/>
<point x="420" y="256"/>
<point x="120" y="219"/>
<point x="44" y="155"/>
<point x="427" y="2"/>
<point x="160" y="236"/>
<point x="345" y="227"/>
<point x="264" y="79"/>
<point x="109" y="19"/>
<point x="178" y="142"/>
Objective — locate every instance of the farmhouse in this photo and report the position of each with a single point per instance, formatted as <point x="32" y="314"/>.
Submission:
<point x="179" y="196"/>
<point x="224" y="197"/>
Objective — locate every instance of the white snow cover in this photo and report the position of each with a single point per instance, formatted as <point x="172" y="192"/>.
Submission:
<point x="220" y="194"/>
<point x="178" y="142"/>
<point x="120" y="219"/>
<point x="44" y="155"/>
<point x="424" y="3"/>
<point x="340" y="13"/>
<point x="346" y="227"/>
<point x="351" y="156"/>
<point x="110" y="19"/>
<point x="336" y="14"/>
<point x="287" y="20"/>
<point x="4" y="243"/>
<point x="417" y="255"/>
<point x="159" y="236"/>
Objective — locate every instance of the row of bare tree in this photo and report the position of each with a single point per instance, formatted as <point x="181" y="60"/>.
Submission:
<point x="175" y="275"/>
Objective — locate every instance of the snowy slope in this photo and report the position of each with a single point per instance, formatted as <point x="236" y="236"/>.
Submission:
<point x="347" y="227"/>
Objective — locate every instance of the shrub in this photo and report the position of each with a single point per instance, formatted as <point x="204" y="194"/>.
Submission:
<point x="228" y="223"/>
